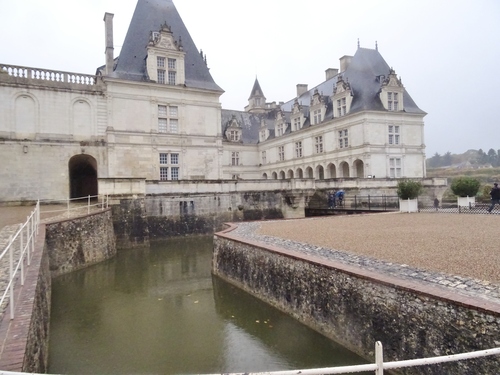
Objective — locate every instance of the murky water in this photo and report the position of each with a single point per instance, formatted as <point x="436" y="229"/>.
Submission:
<point x="160" y="311"/>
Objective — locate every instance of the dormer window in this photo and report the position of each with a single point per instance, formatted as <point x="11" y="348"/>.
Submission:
<point x="392" y="101"/>
<point x="233" y="130"/>
<point x="391" y="93"/>
<point x="296" y="116"/>
<point x="165" y="59"/>
<point x="342" y="97"/>
<point x="318" y="108"/>
<point x="280" y="124"/>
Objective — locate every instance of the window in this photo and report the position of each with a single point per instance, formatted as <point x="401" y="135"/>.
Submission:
<point x="235" y="158"/>
<point x="160" y="62"/>
<point x="168" y="166"/>
<point x="341" y="107"/>
<point x="317" y="116"/>
<point x="281" y="153"/>
<point x="167" y="119"/>
<point x="394" y="134"/>
<point x="264" y="157"/>
<point x="262" y="135"/>
<point x="318" y="142"/>
<point x="298" y="149"/>
<point x="161" y="76"/>
<point x="171" y="64"/>
<point x="394" y="167"/>
<point x="343" y="138"/>
<point x="296" y="123"/>
<point x="234" y="135"/>
<point x="392" y="101"/>
<point x="171" y="78"/>
<point x="280" y="129"/>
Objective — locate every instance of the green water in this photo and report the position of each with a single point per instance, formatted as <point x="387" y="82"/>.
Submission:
<point x="160" y="311"/>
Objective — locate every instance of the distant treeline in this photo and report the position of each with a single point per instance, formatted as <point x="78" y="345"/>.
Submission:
<point x="473" y="157"/>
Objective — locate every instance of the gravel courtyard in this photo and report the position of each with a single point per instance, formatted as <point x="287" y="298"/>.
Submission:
<point x="457" y="244"/>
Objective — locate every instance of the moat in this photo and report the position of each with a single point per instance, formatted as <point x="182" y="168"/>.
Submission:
<point x="160" y="310"/>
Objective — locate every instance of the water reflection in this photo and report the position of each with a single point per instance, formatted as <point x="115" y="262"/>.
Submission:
<point x="160" y="311"/>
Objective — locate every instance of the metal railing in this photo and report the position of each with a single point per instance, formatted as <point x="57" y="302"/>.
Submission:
<point x="379" y="366"/>
<point x="19" y="250"/>
<point x="71" y="205"/>
<point x="24" y="238"/>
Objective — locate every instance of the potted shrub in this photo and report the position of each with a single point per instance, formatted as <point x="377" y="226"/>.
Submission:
<point x="465" y="188"/>
<point x="408" y="191"/>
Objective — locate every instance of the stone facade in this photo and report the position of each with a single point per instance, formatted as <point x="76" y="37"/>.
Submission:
<point x="357" y="308"/>
<point x="154" y="114"/>
<point x="78" y="242"/>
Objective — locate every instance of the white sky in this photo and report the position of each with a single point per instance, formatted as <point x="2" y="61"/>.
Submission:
<point x="447" y="53"/>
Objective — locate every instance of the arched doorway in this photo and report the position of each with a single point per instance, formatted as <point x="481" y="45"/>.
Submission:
<point x="360" y="168"/>
<point x="320" y="172"/>
<point x="344" y="168"/>
<point x="332" y="171"/>
<point x="82" y="176"/>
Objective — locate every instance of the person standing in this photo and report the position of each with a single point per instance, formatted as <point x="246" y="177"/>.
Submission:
<point x="495" y="196"/>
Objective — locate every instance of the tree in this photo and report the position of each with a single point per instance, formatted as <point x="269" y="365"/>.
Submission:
<point x="492" y="157"/>
<point x="465" y="186"/>
<point x="447" y="159"/>
<point x="408" y="189"/>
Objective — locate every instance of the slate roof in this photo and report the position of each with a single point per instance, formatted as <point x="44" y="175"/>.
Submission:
<point x="148" y="16"/>
<point x="249" y="122"/>
<point x="366" y="65"/>
<point x="256" y="90"/>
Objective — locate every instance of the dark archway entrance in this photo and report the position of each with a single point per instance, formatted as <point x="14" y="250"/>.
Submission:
<point x="82" y="176"/>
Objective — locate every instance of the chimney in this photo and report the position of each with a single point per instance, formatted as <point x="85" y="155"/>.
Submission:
<point x="330" y="73"/>
<point x="344" y="62"/>
<point x="108" y="28"/>
<point x="301" y="89"/>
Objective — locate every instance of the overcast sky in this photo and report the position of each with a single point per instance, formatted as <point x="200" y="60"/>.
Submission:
<point x="447" y="53"/>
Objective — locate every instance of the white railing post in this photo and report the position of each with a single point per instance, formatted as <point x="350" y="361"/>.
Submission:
<point x="379" y="358"/>
<point x="88" y="205"/>
<point x="68" y="205"/>
<point x="11" y="277"/>
<point x="21" y="248"/>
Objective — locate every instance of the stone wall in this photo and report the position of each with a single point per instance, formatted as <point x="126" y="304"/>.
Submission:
<point x="359" y="308"/>
<point x="78" y="242"/>
<point x="139" y="219"/>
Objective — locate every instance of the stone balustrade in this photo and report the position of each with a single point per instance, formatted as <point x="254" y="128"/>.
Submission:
<point x="47" y="75"/>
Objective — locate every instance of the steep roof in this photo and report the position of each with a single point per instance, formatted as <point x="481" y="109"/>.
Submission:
<point x="366" y="65"/>
<point x="256" y="90"/>
<point x="148" y="16"/>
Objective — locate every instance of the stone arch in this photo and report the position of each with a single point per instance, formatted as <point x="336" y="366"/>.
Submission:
<point x="82" y="176"/>
<point x="299" y="173"/>
<point x="81" y="110"/>
<point x="25" y="115"/>
<point x="282" y="175"/>
<point x="320" y="172"/>
<point x="331" y="171"/>
<point x="309" y="173"/>
<point x="359" y="168"/>
<point x="344" y="169"/>
<point x="264" y="176"/>
<point x="289" y="174"/>
<point x="275" y="176"/>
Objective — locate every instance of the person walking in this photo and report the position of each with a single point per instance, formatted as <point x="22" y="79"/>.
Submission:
<point x="495" y="196"/>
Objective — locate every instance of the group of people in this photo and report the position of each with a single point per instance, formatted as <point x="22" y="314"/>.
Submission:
<point x="335" y="197"/>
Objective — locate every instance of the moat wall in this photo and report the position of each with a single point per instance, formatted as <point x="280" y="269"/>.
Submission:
<point x="80" y="241"/>
<point x="358" y="309"/>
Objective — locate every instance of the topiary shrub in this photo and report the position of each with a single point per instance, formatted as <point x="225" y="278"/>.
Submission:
<point x="465" y="186"/>
<point x="408" y="189"/>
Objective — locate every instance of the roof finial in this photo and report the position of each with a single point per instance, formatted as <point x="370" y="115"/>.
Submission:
<point x="358" y="42"/>
<point x="376" y="45"/>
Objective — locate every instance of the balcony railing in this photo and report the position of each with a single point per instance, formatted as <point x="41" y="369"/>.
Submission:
<point x="48" y="75"/>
